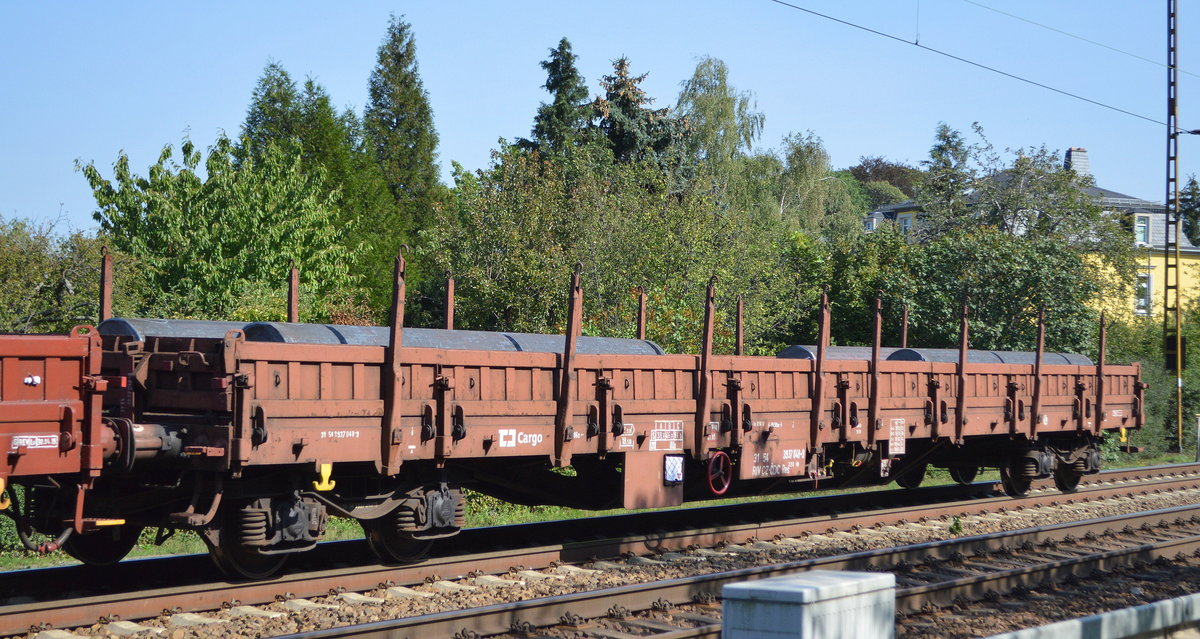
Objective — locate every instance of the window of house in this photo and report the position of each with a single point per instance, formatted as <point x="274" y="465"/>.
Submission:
<point x="869" y="224"/>
<point x="1141" y="230"/>
<point x="1144" y="294"/>
<point x="905" y="222"/>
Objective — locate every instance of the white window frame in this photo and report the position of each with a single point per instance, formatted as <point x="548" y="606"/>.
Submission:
<point x="906" y="222"/>
<point x="1143" y="302"/>
<point x="1139" y="221"/>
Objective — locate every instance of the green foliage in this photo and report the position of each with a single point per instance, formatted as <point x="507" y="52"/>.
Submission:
<point x="632" y="129"/>
<point x="519" y="226"/>
<point x="877" y="169"/>
<point x="562" y="123"/>
<point x="1189" y="209"/>
<point x="334" y="146"/>
<point x="399" y="127"/>
<point x="51" y="281"/>
<point x="944" y="189"/>
<point x="1006" y="280"/>
<point x="857" y="268"/>
<point x="274" y="113"/>
<point x="812" y="199"/>
<point x="1140" y="339"/>
<point x="721" y="121"/>
<point x="209" y="247"/>
<point x="880" y="194"/>
<point x="1032" y="197"/>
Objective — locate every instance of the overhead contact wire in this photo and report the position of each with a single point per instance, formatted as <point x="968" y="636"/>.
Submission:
<point x="1072" y="35"/>
<point x="972" y="63"/>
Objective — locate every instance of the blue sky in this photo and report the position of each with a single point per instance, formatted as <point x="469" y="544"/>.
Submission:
<point x="87" y="80"/>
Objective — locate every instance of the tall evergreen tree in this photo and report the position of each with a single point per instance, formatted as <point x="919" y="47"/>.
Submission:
<point x="562" y="122"/>
<point x="944" y="189"/>
<point x="274" y="112"/>
<point x="634" y="131"/>
<point x="333" y="145"/>
<point x="399" y="127"/>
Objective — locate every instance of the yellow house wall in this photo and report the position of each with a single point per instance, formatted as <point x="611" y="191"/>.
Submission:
<point x="1153" y="262"/>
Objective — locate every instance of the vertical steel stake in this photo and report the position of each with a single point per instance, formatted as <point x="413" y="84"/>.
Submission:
<point x="294" y="294"/>
<point x="818" y="386"/>
<point x="704" y="375"/>
<point x="393" y="375"/>
<point x="904" y="329"/>
<point x="1100" y="376"/>
<point x="106" y="284"/>
<point x="740" y="343"/>
<point x="873" y="421"/>
<point x="641" y="326"/>
<point x="960" y="416"/>
<point x="449" y="302"/>
<point x="1037" y="376"/>
<point x="563" y="430"/>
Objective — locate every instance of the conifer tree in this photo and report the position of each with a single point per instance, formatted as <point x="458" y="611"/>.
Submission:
<point x="634" y="131"/>
<point x="274" y="109"/>
<point x="399" y="127"/>
<point x="562" y="122"/>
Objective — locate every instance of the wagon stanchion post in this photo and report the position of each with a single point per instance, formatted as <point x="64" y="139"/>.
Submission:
<point x="1036" y="409"/>
<point x="873" y="421"/>
<point x="1100" y="416"/>
<point x="563" y="430"/>
<point x="641" y="317"/>
<point x="704" y="374"/>
<point x="904" y="328"/>
<point x="106" y="283"/>
<point x="818" y="385"/>
<point x="294" y="294"/>
<point x="740" y="341"/>
<point x="960" y="411"/>
<point x="392" y="377"/>
<point x="449" y="301"/>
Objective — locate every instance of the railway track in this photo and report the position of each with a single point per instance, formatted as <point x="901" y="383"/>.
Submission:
<point x="936" y="573"/>
<point x="654" y="537"/>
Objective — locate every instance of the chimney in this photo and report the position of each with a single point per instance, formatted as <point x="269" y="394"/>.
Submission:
<point x="1077" y="159"/>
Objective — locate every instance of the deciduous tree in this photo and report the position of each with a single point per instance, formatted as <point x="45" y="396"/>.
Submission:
<point x="722" y="122"/>
<point x="216" y="244"/>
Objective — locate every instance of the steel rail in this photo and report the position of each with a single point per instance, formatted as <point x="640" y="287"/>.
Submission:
<point x="62" y="613"/>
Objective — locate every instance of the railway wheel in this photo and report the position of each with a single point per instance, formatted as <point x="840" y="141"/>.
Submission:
<point x="391" y="544"/>
<point x="103" y="547"/>
<point x="912" y="477"/>
<point x="238" y="561"/>
<point x="1013" y="479"/>
<point x="233" y="553"/>
<point x="964" y="474"/>
<point x="720" y="472"/>
<point x="1066" y="477"/>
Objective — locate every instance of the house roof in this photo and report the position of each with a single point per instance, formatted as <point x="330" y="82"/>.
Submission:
<point x="1108" y="199"/>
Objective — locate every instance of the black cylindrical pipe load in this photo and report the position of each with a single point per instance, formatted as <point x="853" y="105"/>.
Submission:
<point x="140" y="329"/>
<point x="947" y="355"/>
<point x="283" y="332"/>
<point x="440" y="338"/>
<point x="950" y="355"/>
<point x="798" y="351"/>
